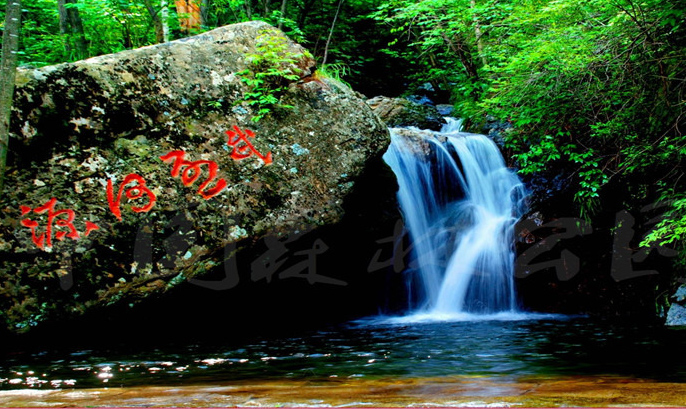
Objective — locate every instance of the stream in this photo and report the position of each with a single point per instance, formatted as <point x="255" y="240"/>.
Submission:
<point x="441" y="362"/>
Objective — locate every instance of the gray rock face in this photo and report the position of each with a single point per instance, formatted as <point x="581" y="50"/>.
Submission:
<point x="399" y="112"/>
<point x="131" y="173"/>
<point x="676" y="315"/>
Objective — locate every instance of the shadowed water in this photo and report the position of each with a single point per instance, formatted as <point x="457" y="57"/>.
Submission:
<point x="498" y="349"/>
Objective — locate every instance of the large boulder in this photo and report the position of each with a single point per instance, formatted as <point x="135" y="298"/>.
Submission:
<point x="400" y="112"/>
<point x="123" y="181"/>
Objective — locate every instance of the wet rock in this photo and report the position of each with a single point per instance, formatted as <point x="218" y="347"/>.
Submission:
<point x="123" y="182"/>
<point x="400" y="112"/>
<point x="677" y="311"/>
<point x="445" y="109"/>
<point x="495" y="129"/>
<point x="420" y="99"/>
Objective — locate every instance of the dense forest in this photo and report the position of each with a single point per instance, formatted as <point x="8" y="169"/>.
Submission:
<point x="590" y="93"/>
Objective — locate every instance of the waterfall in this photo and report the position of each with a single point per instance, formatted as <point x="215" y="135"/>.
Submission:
<point x="460" y="203"/>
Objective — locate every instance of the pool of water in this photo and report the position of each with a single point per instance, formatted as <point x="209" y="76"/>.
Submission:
<point x="505" y="348"/>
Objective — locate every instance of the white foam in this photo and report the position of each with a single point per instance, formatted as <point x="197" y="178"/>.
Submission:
<point x="433" y="317"/>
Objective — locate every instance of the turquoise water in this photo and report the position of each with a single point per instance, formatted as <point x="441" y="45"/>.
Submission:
<point x="508" y="348"/>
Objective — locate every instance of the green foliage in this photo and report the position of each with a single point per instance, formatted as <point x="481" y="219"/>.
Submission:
<point x="593" y="90"/>
<point x="288" y="26"/>
<point x="356" y="40"/>
<point x="594" y="86"/>
<point x="109" y="26"/>
<point x="448" y="39"/>
<point x="273" y="67"/>
<point x="334" y="71"/>
<point x="114" y="25"/>
<point x="41" y="43"/>
<point x="671" y="230"/>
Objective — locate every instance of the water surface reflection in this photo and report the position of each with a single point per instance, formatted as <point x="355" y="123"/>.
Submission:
<point x="502" y="349"/>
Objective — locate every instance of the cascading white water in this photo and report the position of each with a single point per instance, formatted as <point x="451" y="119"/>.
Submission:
<point x="460" y="204"/>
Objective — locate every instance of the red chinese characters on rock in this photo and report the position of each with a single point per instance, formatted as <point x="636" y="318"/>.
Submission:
<point x="55" y="221"/>
<point x="242" y="148"/>
<point x="132" y="193"/>
<point x="190" y="173"/>
<point x="60" y="223"/>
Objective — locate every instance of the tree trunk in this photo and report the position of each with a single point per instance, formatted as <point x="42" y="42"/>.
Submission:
<point x="8" y="70"/>
<point x="247" y="8"/>
<point x="71" y="25"/>
<point x="189" y="15"/>
<point x="333" y="25"/>
<point x="462" y="50"/>
<point x="283" y="14"/>
<point x="128" y="40"/>
<point x="444" y="84"/>
<point x="305" y="10"/>
<point x="205" y="7"/>
<point x="63" y="28"/>
<point x="164" y="16"/>
<point x="464" y="53"/>
<point x="156" y="20"/>
<point x="478" y="33"/>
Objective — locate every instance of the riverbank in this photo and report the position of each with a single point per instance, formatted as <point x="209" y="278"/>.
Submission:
<point x="445" y="391"/>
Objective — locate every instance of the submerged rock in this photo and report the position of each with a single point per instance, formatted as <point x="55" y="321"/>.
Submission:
<point x="131" y="173"/>
<point x="400" y="112"/>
